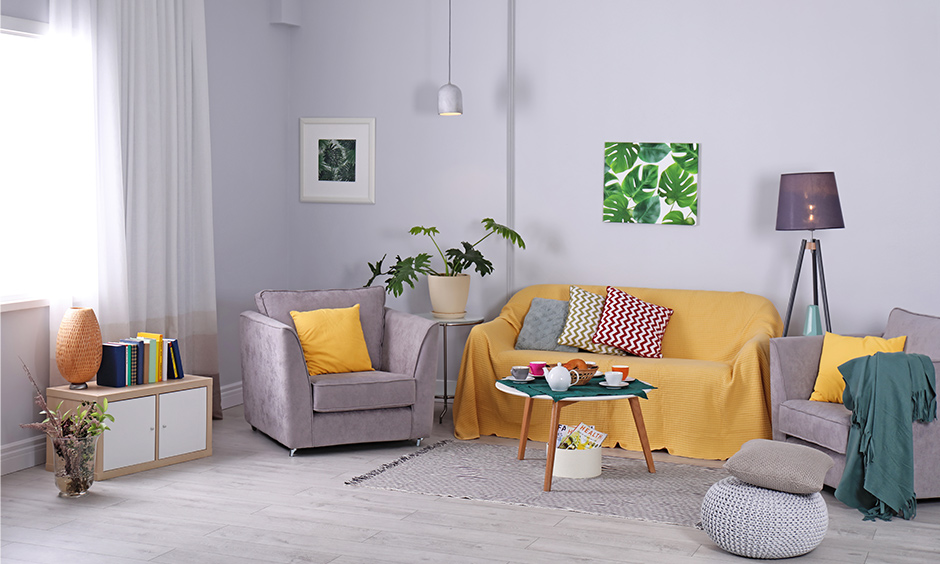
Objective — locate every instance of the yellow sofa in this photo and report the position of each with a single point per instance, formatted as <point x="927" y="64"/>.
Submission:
<point x="713" y="382"/>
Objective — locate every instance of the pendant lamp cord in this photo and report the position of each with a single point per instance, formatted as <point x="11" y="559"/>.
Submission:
<point x="449" y="35"/>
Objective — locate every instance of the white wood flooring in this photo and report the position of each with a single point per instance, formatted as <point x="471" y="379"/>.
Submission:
<point x="251" y="502"/>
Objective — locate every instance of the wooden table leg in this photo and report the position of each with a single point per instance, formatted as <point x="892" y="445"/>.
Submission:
<point x="641" y="431"/>
<point x="552" y="439"/>
<point x="524" y="432"/>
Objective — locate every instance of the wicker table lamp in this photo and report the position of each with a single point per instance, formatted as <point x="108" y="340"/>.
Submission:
<point x="78" y="346"/>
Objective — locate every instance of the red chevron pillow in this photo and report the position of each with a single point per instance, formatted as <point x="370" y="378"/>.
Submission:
<point x="631" y="324"/>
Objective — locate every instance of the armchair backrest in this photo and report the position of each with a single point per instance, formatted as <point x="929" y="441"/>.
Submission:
<point x="278" y="304"/>
<point x="923" y="333"/>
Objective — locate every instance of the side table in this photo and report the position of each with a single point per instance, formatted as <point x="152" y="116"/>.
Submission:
<point x="557" y="404"/>
<point x="445" y="323"/>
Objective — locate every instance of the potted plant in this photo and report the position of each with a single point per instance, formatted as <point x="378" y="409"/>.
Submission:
<point x="449" y="287"/>
<point x="74" y="436"/>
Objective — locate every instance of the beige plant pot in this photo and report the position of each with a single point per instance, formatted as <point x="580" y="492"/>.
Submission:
<point x="449" y="295"/>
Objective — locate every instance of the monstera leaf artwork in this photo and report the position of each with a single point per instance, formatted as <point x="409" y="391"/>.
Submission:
<point x="651" y="183"/>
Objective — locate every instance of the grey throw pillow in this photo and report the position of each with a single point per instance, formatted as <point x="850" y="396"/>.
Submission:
<point x="542" y="326"/>
<point x="780" y="466"/>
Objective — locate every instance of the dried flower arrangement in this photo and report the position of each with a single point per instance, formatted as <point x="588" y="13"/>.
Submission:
<point x="67" y="431"/>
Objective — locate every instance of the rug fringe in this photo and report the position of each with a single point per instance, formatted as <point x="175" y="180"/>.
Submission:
<point x="355" y="481"/>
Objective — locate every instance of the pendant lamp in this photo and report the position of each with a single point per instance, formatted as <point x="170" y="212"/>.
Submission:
<point x="449" y="97"/>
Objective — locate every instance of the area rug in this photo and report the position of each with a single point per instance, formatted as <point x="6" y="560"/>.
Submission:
<point x="487" y="472"/>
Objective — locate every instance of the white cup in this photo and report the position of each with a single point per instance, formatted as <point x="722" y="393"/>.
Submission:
<point x="613" y="378"/>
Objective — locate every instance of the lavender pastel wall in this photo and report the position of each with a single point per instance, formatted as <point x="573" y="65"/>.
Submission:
<point x="765" y="87"/>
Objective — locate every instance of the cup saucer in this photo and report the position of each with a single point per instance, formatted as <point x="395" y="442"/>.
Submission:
<point x="528" y="378"/>
<point x="621" y="385"/>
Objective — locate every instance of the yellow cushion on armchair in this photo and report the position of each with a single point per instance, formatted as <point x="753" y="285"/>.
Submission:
<point x="839" y="349"/>
<point x="332" y="340"/>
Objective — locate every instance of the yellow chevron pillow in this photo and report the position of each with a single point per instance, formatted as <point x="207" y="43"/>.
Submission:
<point x="584" y="309"/>
<point x="837" y="350"/>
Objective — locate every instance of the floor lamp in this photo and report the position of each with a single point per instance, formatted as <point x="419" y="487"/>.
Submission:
<point x="809" y="200"/>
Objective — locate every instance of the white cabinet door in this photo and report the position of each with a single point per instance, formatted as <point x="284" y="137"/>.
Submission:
<point x="182" y="422"/>
<point x="131" y="438"/>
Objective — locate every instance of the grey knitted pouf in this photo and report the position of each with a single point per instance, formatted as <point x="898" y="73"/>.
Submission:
<point x="759" y="523"/>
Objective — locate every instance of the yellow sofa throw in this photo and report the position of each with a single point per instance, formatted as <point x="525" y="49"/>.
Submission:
<point x="332" y="340"/>
<point x="839" y="349"/>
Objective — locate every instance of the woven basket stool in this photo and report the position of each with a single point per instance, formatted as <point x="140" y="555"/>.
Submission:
<point x="760" y="523"/>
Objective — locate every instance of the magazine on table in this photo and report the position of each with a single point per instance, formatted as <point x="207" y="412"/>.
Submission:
<point x="580" y="437"/>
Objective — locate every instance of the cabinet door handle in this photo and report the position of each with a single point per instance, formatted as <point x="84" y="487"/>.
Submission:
<point x="151" y="428"/>
<point x="164" y="426"/>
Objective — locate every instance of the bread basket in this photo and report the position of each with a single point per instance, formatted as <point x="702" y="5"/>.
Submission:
<point x="584" y="375"/>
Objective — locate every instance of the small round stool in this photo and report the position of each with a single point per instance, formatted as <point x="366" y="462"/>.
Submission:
<point x="757" y="522"/>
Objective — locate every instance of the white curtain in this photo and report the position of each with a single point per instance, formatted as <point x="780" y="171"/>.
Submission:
<point x="152" y="95"/>
<point x="91" y="211"/>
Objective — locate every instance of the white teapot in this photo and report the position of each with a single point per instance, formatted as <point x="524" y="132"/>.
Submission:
<point x="558" y="378"/>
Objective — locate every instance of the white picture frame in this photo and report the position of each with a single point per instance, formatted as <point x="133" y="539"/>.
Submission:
<point x="346" y="174"/>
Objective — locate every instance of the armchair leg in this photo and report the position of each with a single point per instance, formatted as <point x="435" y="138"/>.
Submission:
<point x="418" y="443"/>
<point x="292" y="451"/>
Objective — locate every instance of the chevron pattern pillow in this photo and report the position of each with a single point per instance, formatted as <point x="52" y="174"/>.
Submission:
<point x="631" y="324"/>
<point x="584" y="309"/>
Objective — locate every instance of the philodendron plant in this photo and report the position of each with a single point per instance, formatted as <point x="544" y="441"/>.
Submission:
<point x="456" y="260"/>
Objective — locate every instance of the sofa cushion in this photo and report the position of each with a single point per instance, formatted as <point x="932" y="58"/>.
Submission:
<point x="278" y="304"/>
<point x="780" y="466"/>
<point x="838" y="349"/>
<point x="632" y="324"/>
<point x="332" y="340"/>
<point x="584" y="309"/>
<point x="543" y="325"/>
<point x="822" y="423"/>
<point x="361" y="390"/>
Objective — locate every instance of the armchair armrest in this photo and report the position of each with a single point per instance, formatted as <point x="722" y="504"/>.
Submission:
<point x="794" y="364"/>
<point x="410" y="347"/>
<point x="274" y="380"/>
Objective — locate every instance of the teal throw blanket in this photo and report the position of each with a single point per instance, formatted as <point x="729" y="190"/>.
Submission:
<point x="886" y="393"/>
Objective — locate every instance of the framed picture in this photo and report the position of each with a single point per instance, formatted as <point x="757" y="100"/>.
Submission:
<point x="651" y="183"/>
<point x="337" y="160"/>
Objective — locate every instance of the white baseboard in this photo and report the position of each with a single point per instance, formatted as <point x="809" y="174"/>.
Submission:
<point x="22" y="454"/>
<point x="231" y="395"/>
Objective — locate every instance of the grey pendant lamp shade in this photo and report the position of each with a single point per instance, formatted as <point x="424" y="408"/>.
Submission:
<point x="449" y="97"/>
<point x="808" y="200"/>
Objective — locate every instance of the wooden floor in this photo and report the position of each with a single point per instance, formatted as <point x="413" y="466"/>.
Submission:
<point x="251" y="502"/>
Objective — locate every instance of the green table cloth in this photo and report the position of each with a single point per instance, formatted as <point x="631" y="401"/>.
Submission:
<point x="539" y="387"/>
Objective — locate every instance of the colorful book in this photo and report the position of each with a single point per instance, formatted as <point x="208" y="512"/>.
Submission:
<point x="112" y="371"/>
<point x="138" y="348"/>
<point x="156" y="363"/>
<point x="146" y="358"/>
<point x="176" y="372"/>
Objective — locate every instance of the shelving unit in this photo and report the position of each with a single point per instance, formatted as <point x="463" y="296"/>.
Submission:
<point x="154" y="425"/>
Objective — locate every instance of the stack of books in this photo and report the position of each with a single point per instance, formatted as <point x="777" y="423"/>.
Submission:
<point x="145" y="359"/>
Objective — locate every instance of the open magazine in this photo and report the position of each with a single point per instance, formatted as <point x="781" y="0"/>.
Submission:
<point x="580" y="437"/>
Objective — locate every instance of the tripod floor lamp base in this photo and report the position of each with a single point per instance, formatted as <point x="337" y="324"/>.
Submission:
<point x="819" y="281"/>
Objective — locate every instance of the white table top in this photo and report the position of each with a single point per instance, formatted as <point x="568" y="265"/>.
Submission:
<point x="514" y="392"/>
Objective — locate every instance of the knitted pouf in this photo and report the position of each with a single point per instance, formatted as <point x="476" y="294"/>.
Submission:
<point x="759" y="523"/>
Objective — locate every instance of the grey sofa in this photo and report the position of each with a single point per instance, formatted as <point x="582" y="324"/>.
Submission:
<point x="794" y="363"/>
<point x="393" y="402"/>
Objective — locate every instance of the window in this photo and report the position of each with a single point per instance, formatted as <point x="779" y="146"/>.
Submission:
<point x="48" y="218"/>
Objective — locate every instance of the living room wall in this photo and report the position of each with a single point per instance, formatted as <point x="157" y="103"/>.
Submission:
<point x="764" y="87"/>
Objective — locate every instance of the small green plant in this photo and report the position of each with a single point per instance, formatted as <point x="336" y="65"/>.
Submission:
<point x="456" y="260"/>
<point x="88" y="419"/>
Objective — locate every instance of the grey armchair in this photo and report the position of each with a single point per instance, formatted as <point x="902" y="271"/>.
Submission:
<point x="794" y="363"/>
<point x="393" y="402"/>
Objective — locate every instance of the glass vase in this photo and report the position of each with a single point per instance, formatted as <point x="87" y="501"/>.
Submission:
<point x="74" y="464"/>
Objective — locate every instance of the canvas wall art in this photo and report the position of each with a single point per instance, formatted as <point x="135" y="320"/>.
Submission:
<point x="651" y="183"/>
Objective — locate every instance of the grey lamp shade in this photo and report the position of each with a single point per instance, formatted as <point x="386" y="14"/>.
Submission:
<point x="808" y="200"/>
<point x="449" y="100"/>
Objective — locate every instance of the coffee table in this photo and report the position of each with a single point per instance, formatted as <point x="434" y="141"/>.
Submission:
<point x="564" y="400"/>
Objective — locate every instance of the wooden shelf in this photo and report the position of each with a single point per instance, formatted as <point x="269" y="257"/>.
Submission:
<point x="186" y="405"/>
